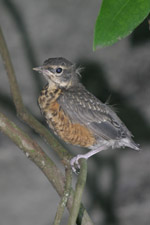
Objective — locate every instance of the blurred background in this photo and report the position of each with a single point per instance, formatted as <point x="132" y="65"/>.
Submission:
<point x="118" y="184"/>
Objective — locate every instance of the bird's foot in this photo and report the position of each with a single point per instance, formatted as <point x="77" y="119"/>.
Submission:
<point x="75" y="165"/>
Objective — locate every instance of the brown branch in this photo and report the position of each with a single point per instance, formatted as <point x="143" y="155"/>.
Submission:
<point x="34" y="152"/>
<point x="78" y="192"/>
<point x="30" y="148"/>
<point x="21" y="110"/>
<point x="65" y="197"/>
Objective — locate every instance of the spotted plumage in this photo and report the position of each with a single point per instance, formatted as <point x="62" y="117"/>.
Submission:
<point x="77" y="116"/>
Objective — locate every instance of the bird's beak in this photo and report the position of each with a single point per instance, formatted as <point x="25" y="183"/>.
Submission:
<point x="39" y="69"/>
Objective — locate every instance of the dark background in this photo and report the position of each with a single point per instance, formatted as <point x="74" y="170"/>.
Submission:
<point x="118" y="184"/>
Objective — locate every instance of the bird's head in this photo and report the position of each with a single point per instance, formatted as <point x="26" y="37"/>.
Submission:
<point x="59" y="71"/>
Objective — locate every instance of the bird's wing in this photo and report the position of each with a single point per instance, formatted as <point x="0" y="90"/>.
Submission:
<point x="84" y="108"/>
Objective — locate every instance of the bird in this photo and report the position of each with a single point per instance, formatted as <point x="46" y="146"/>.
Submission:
<point x="75" y="115"/>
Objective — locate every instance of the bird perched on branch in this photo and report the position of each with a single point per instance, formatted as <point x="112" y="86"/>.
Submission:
<point x="76" y="115"/>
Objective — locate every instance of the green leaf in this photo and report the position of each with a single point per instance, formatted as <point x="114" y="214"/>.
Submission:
<point x="117" y="19"/>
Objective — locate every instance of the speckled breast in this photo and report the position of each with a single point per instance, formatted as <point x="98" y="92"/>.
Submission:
<point x="60" y="123"/>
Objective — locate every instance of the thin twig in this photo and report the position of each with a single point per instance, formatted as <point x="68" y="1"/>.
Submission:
<point x="64" y="199"/>
<point x="31" y="149"/>
<point x="34" y="152"/>
<point x="21" y="110"/>
<point x="78" y="193"/>
<point x="18" y="19"/>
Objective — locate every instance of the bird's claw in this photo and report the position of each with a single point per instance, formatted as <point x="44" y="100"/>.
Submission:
<point x="74" y="162"/>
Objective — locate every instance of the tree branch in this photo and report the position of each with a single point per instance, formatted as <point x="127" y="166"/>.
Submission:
<point x="34" y="152"/>
<point x="78" y="192"/>
<point x="21" y="110"/>
<point x="30" y="147"/>
<point x="65" y="197"/>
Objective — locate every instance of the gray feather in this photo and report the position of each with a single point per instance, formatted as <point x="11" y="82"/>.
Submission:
<point x="82" y="107"/>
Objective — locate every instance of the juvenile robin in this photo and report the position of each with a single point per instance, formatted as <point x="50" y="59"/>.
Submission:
<point x="76" y="115"/>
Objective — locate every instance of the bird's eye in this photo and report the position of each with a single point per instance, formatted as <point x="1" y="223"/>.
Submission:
<point x="58" y="70"/>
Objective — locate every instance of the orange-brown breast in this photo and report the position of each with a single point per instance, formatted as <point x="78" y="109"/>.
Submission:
<point x="60" y="123"/>
<point x="72" y="133"/>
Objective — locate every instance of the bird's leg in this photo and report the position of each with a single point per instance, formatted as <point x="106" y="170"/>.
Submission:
<point x="75" y="160"/>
